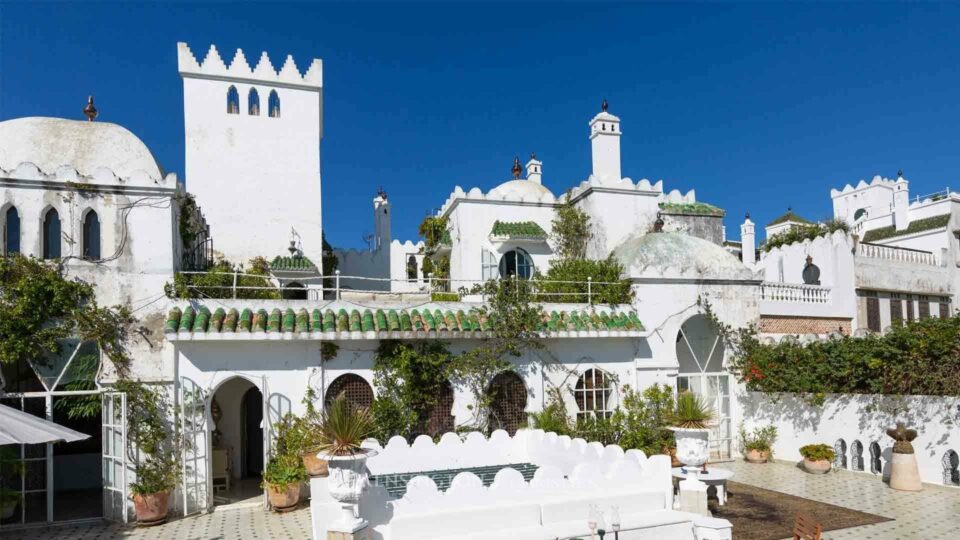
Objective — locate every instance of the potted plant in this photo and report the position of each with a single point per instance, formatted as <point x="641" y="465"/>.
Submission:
<point x="152" y="448"/>
<point x="343" y="428"/>
<point x="11" y="464"/>
<point x="308" y="434"/>
<point x="904" y="474"/>
<point x="817" y="458"/>
<point x="690" y="420"/>
<point x="281" y="478"/>
<point x="757" y="446"/>
<point x="150" y="492"/>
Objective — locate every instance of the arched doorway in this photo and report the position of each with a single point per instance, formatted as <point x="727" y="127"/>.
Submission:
<point x="293" y="291"/>
<point x="508" y="403"/>
<point x="700" y="352"/>
<point x="237" y="442"/>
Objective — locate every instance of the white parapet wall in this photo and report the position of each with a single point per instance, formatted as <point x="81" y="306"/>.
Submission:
<point x="571" y="475"/>
<point x="855" y="425"/>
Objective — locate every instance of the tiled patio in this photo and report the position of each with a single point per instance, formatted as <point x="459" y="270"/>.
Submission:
<point x="931" y="514"/>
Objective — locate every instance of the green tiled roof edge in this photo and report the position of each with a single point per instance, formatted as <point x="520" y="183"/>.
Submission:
<point x="696" y="209"/>
<point x="391" y="320"/>
<point x="520" y="229"/>
<point x="919" y="225"/>
<point x="291" y="263"/>
<point x="790" y="216"/>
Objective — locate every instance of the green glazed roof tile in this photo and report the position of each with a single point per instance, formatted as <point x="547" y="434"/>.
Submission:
<point x="518" y="229"/>
<point x="173" y="320"/>
<point x="790" y="216"/>
<point x="296" y="264"/>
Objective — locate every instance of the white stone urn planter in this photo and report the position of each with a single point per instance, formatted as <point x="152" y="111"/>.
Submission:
<point x="693" y="448"/>
<point x="348" y="479"/>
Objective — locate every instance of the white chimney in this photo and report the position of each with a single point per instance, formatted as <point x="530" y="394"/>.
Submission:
<point x="901" y="203"/>
<point x="605" y="144"/>
<point x="534" y="169"/>
<point x="748" y="241"/>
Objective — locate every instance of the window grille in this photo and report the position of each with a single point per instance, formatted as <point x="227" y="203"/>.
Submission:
<point x="489" y="265"/>
<point x="508" y="402"/>
<point x="592" y="394"/>
<point x="516" y="262"/>
<point x="354" y="387"/>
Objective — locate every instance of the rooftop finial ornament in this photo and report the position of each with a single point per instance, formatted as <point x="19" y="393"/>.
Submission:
<point x="658" y="224"/>
<point x="900" y="173"/>
<point x="604" y="106"/>
<point x="516" y="168"/>
<point x="90" y="111"/>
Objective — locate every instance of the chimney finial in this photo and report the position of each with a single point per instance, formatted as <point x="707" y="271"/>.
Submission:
<point x="604" y="105"/>
<point x="516" y="168"/>
<point x="90" y="111"/>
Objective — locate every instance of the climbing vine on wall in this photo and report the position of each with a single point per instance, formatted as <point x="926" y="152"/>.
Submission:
<point x="570" y="231"/>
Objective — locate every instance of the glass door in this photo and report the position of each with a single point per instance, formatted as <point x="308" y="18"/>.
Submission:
<point x="714" y="388"/>
<point x="196" y="447"/>
<point x="114" y="444"/>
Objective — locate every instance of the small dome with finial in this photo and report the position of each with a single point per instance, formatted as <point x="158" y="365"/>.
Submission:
<point x="90" y="111"/>
<point x="517" y="170"/>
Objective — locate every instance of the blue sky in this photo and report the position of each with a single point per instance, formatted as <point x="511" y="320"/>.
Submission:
<point x="756" y="106"/>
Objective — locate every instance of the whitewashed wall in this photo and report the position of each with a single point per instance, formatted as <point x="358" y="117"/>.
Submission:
<point x="863" y="418"/>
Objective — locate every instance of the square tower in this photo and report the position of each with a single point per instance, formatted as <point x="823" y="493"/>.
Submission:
<point x="253" y="152"/>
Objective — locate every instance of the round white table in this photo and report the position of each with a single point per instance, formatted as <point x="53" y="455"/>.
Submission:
<point x="713" y="477"/>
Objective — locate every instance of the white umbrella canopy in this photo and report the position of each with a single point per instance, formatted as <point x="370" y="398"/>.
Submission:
<point x="18" y="427"/>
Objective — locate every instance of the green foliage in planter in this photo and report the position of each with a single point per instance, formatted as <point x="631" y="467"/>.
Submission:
<point x="445" y="297"/>
<point x="805" y="232"/>
<point x="818" y="452"/>
<point x="283" y="471"/>
<point x="154" y="445"/>
<point x="691" y="412"/>
<point x="602" y="272"/>
<point x="218" y="281"/>
<point x="761" y="439"/>
<point x="343" y="427"/>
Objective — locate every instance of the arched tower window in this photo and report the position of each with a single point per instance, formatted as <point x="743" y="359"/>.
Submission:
<point x="233" y="101"/>
<point x="355" y="389"/>
<point x="516" y="262"/>
<point x="253" y="103"/>
<point x="51" y="235"/>
<point x="11" y="231"/>
<point x="592" y="394"/>
<point x="273" y="104"/>
<point x="91" y="236"/>
<point x="412" y="268"/>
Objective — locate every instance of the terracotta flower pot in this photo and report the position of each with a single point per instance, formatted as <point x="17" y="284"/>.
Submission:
<point x="284" y="499"/>
<point x="820" y="466"/>
<point x="151" y="507"/>
<point x="315" y="466"/>
<point x="758" y="456"/>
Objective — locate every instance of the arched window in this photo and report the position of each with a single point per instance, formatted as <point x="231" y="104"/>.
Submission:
<point x="440" y="420"/>
<point x="592" y="394"/>
<point x="700" y="353"/>
<point x="508" y="402"/>
<point x="516" y="262"/>
<point x="840" y="453"/>
<point x="412" y="268"/>
<point x="51" y="235"/>
<point x="354" y="387"/>
<point x="91" y="236"/>
<point x="233" y="101"/>
<point x="859" y="213"/>
<point x="11" y="231"/>
<point x="876" y="465"/>
<point x="951" y="468"/>
<point x="273" y="104"/>
<point x="856" y="456"/>
<point x="253" y="103"/>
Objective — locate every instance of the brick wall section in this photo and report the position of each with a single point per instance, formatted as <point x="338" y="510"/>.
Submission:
<point x="803" y="325"/>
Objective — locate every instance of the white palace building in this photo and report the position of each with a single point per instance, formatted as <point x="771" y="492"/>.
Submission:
<point x="91" y="194"/>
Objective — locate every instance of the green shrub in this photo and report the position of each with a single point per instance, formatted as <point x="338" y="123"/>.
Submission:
<point x="691" y="412"/>
<point x="817" y="452"/>
<point x="577" y="271"/>
<point x="805" y="232"/>
<point x="445" y="297"/>
<point x="282" y="471"/>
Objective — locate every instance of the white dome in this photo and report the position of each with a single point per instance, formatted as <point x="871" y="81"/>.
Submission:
<point x="677" y="253"/>
<point x="50" y="143"/>
<point x="520" y="188"/>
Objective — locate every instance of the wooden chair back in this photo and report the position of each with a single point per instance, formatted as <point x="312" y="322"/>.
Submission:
<point x="806" y="528"/>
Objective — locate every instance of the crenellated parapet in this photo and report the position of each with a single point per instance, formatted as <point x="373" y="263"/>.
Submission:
<point x="876" y="181"/>
<point x="239" y="68"/>
<point x="625" y="184"/>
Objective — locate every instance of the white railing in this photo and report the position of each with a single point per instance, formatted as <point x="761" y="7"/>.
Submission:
<point x="900" y="254"/>
<point x="231" y="285"/>
<point x="800" y="294"/>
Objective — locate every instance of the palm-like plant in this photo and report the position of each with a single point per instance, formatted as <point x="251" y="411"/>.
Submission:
<point x="691" y="412"/>
<point x="343" y="427"/>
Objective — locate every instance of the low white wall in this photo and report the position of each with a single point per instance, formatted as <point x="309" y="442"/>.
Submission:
<point x="863" y="418"/>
